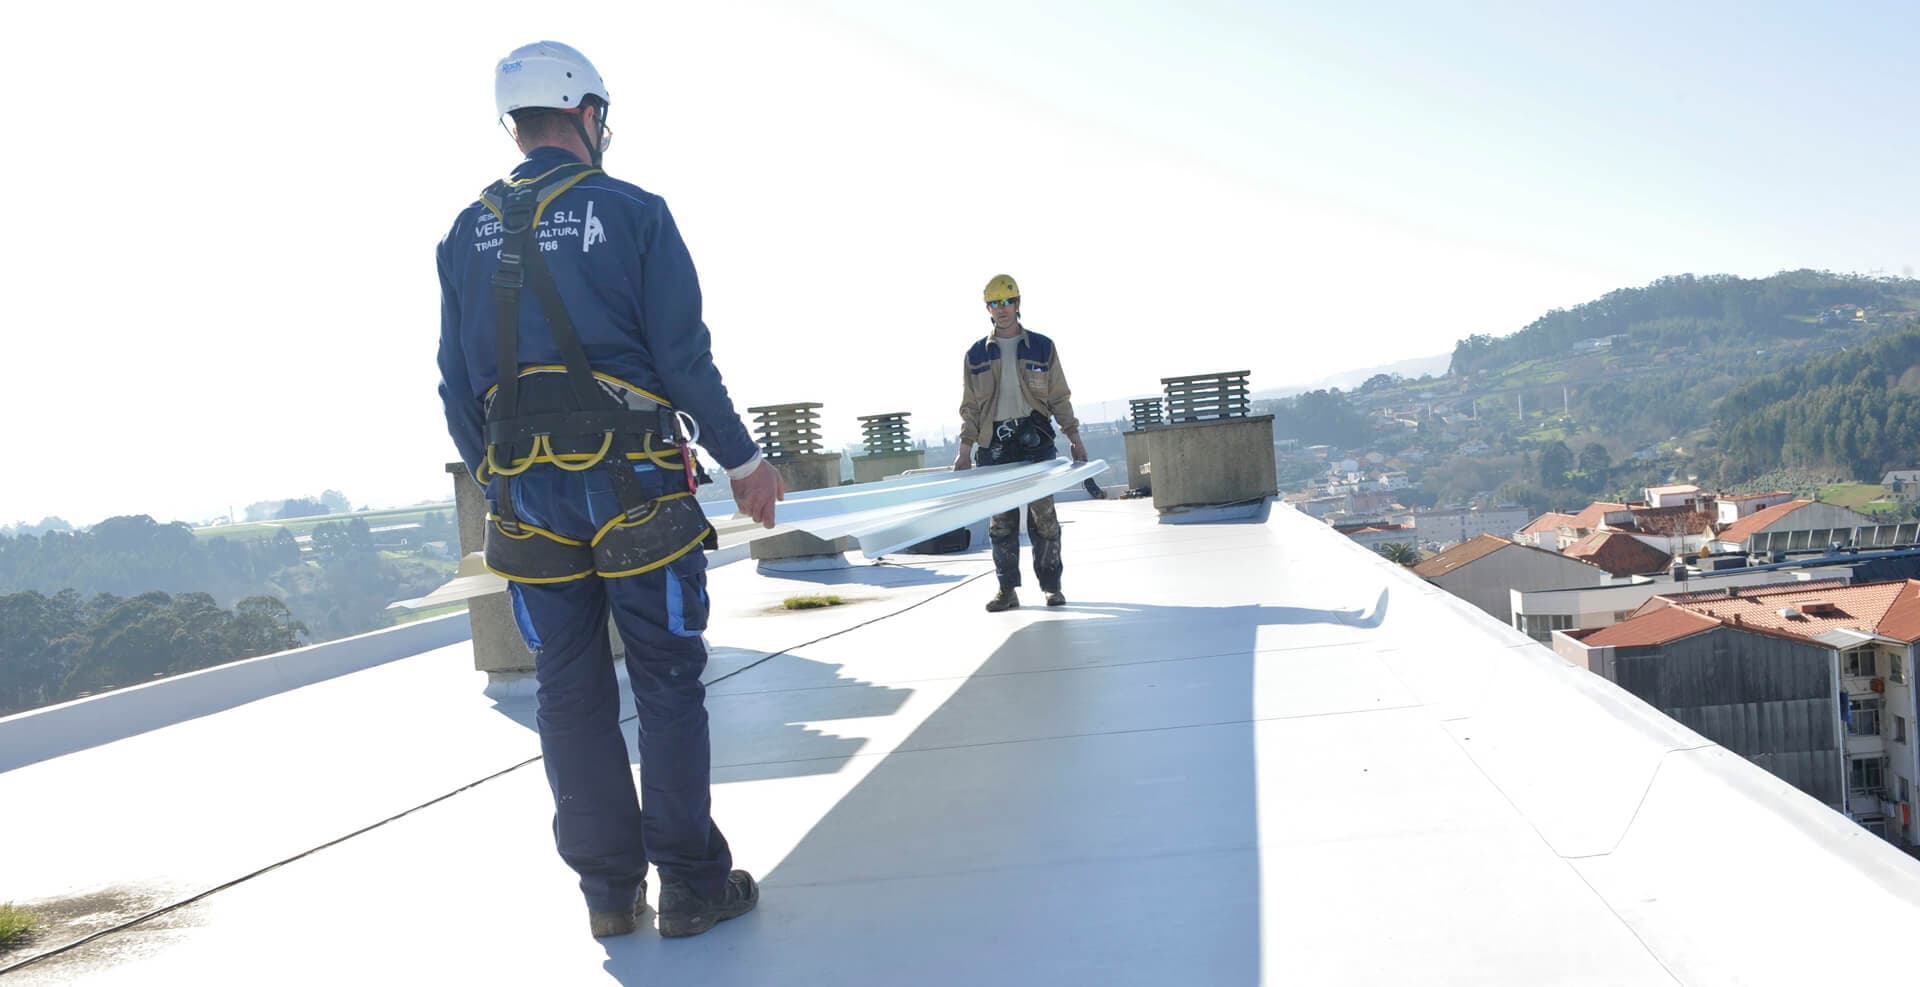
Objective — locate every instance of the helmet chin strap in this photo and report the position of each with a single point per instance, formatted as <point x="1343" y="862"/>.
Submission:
<point x="593" y="147"/>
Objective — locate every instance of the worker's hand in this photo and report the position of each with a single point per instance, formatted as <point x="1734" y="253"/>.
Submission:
<point x="1079" y="451"/>
<point x="964" y="461"/>
<point x="754" y="496"/>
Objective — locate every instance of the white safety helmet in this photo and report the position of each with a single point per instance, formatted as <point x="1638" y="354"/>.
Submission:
<point x="545" y="74"/>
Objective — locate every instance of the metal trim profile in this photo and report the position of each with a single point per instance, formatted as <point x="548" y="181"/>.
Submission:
<point x="884" y="516"/>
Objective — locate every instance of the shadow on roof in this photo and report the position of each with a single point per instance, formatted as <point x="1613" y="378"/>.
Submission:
<point x="1083" y="809"/>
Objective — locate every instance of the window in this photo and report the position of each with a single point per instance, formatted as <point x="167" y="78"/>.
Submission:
<point x="1864" y="720"/>
<point x="1903" y="789"/>
<point x="1859" y="663"/>
<point x="1867" y="776"/>
<point x="1896" y="668"/>
<point x="1540" y="627"/>
<point x="1899" y="729"/>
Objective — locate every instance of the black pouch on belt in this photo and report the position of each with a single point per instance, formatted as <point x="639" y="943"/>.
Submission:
<point x="636" y="542"/>
<point x="524" y="553"/>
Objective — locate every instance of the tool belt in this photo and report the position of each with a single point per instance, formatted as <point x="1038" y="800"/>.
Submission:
<point x="571" y="418"/>
<point x="1020" y="440"/>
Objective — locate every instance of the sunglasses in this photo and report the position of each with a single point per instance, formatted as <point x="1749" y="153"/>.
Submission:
<point x="1015" y="300"/>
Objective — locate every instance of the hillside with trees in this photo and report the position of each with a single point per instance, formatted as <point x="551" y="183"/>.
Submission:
<point x="1855" y="412"/>
<point x="130" y="599"/>
<point x="1727" y="379"/>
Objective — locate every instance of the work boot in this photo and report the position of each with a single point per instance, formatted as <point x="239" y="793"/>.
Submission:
<point x="1006" y="599"/>
<point x="606" y="924"/>
<point x="683" y="913"/>
<point x="1055" y="599"/>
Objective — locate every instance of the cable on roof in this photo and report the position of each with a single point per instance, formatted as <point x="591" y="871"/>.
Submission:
<point x="156" y="913"/>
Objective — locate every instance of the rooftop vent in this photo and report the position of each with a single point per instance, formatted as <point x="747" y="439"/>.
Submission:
<point x="1790" y="613"/>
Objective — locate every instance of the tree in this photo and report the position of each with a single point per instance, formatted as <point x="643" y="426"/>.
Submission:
<point x="302" y="507"/>
<point x="263" y="625"/>
<point x="1399" y="553"/>
<point x="1595" y="461"/>
<point x="1556" y="461"/>
<point x="336" y="502"/>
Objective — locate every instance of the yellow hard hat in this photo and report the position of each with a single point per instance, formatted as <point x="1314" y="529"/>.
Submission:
<point x="1001" y="288"/>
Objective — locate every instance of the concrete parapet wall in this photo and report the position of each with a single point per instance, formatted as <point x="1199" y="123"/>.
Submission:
<point x="1139" y="451"/>
<point x="497" y="644"/>
<point x="814" y="471"/>
<point x="867" y="469"/>
<point x="1222" y="461"/>
<point x="36" y="735"/>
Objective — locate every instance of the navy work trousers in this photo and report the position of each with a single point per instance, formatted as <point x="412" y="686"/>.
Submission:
<point x="603" y="832"/>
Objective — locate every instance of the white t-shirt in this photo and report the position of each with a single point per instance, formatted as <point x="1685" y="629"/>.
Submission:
<point x="1011" y="402"/>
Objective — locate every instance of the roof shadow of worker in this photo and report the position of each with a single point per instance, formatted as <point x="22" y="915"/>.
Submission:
<point x="1083" y="809"/>
<point x="762" y="727"/>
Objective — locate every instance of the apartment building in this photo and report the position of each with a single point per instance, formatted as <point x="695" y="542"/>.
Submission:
<point x="1813" y="683"/>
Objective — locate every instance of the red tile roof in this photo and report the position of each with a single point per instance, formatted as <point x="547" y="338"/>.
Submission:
<point x="1902" y="620"/>
<point x="1707" y="595"/>
<point x="1863" y="608"/>
<point x="1546" y="523"/>
<point x="1672" y="522"/>
<point x="1890" y="609"/>
<point x="1453" y="558"/>
<point x="1619" y="553"/>
<point x="1594" y="513"/>
<point x="1659" y="627"/>
<point x="1759" y="521"/>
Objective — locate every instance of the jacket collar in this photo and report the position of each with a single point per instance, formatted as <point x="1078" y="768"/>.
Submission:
<point x="993" y="343"/>
<point x="541" y="160"/>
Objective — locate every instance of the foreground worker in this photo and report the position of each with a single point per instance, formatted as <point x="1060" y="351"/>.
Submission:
<point x="1012" y="391"/>
<point x="572" y="355"/>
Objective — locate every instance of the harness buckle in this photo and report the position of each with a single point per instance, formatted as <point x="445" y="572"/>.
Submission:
<point x="511" y="275"/>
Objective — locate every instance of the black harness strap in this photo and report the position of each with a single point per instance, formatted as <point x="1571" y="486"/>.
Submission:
<point x="522" y="266"/>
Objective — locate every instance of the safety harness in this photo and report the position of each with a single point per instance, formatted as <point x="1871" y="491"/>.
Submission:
<point x="574" y="419"/>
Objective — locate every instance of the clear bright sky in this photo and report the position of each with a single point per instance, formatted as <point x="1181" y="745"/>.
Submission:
<point x="220" y="283"/>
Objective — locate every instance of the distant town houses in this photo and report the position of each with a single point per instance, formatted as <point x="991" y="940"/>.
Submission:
<point x="1484" y="570"/>
<point x="1904" y="484"/>
<point x="1445" y="526"/>
<point x="1375" y="534"/>
<point x="1785" y="629"/>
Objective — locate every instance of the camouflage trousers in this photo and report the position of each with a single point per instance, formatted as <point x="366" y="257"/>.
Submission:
<point x="1043" y="530"/>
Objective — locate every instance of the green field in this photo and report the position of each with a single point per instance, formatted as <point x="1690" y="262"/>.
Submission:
<point x="300" y="526"/>
<point x="1867" y="498"/>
